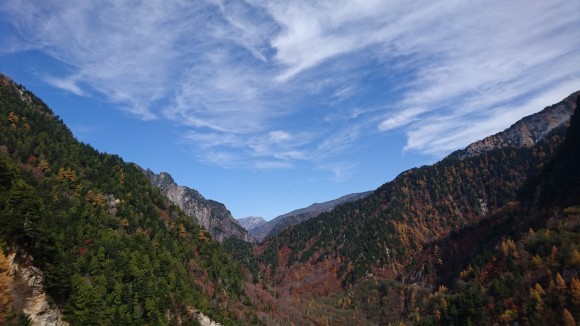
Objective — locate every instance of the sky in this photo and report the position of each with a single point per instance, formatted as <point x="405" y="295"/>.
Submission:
<point x="268" y="106"/>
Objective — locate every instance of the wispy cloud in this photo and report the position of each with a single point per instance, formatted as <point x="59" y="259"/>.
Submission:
<point x="68" y="84"/>
<point x="443" y="134"/>
<point x="340" y="171"/>
<point x="267" y="84"/>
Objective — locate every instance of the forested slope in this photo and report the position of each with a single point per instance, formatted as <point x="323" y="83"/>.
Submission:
<point x="488" y="235"/>
<point x="384" y="231"/>
<point x="112" y="248"/>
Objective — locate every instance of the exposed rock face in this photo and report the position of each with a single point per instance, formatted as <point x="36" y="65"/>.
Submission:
<point x="527" y="131"/>
<point x="205" y="320"/>
<point x="212" y="215"/>
<point x="37" y="306"/>
<point x="276" y="225"/>
<point x="251" y="222"/>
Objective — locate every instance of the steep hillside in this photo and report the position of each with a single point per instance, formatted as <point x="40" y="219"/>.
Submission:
<point x="458" y="223"/>
<point x="251" y="222"/>
<point x="111" y="248"/>
<point x="277" y="224"/>
<point x="212" y="215"/>
<point x="385" y="232"/>
<point x="526" y="266"/>
<point x="559" y="183"/>
<point x="526" y="132"/>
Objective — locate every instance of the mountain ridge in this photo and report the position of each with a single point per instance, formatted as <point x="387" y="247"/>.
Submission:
<point x="212" y="215"/>
<point x="485" y="237"/>
<point x="418" y="206"/>
<point x="525" y="132"/>
<point x="277" y="224"/>
<point x="458" y="223"/>
<point x="251" y="222"/>
<point x="110" y="248"/>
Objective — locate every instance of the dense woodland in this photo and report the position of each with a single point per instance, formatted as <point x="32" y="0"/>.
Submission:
<point x="112" y="249"/>
<point x="392" y="225"/>
<point x="490" y="239"/>
<point x="445" y="225"/>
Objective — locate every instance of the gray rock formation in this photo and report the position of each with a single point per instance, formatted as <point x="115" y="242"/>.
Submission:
<point x="251" y="222"/>
<point x="212" y="215"/>
<point x="204" y="320"/>
<point x="527" y="131"/>
<point x="38" y="306"/>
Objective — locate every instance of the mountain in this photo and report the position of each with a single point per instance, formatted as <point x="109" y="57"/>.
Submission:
<point x="212" y="215"/>
<point x="521" y="265"/>
<point x="489" y="235"/>
<point x="85" y="236"/>
<point x="559" y="183"/>
<point x="277" y="224"/>
<point x="384" y="257"/>
<point x="526" y="132"/>
<point x="251" y="222"/>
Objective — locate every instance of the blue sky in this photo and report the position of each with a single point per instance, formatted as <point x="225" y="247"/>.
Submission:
<point x="269" y="106"/>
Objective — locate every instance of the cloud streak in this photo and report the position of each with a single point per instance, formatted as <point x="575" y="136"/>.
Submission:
<point x="268" y="84"/>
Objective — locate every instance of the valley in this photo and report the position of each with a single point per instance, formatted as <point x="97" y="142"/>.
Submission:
<point x="488" y="235"/>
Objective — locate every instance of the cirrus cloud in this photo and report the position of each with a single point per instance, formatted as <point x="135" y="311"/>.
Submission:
<point x="266" y="84"/>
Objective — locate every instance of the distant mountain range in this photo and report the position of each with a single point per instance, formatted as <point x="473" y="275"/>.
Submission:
<point x="262" y="230"/>
<point x="212" y="215"/>
<point x="251" y="222"/>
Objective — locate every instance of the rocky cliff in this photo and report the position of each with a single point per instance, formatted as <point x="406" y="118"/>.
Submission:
<point x="212" y="215"/>
<point x="526" y="132"/>
<point x="38" y="306"/>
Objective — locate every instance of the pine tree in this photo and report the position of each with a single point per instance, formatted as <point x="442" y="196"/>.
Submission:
<point x="575" y="291"/>
<point x="19" y="219"/>
<point x="560" y="283"/>
<point x="567" y="318"/>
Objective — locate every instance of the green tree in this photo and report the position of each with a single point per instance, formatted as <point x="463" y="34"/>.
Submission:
<point x="22" y="213"/>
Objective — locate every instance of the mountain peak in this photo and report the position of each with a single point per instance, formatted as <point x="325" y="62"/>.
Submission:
<point x="212" y="215"/>
<point x="526" y="132"/>
<point x="159" y="180"/>
<point x="251" y="222"/>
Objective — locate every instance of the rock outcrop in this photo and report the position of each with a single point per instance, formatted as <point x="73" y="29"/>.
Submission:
<point x="36" y="306"/>
<point x="526" y="132"/>
<point x="204" y="320"/>
<point x="212" y="215"/>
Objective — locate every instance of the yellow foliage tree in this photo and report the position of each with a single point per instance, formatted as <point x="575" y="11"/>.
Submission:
<point x="443" y="305"/>
<point x="536" y="293"/>
<point x="202" y="236"/>
<point x="575" y="291"/>
<point x="575" y="258"/>
<point x="560" y="283"/>
<point x="567" y="318"/>
<point x="537" y="261"/>
<point x="5" y="284"/>
<point x="125" y="223"/>
<point x="507" y="316"/>
<point x="504" y="248"/>
<point x="182" y="231"/>
<point x="44" y="166"/>
<point x="66" y="174"/>
<point x="96" y="199"/>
